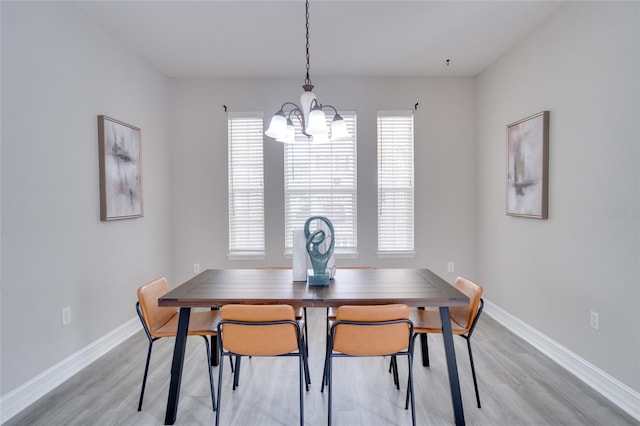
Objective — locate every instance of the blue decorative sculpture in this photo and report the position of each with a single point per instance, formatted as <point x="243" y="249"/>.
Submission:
<point x="320" y="239"/>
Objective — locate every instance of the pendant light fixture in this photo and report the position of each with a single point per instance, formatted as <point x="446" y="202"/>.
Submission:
<point x="310" y="114"/>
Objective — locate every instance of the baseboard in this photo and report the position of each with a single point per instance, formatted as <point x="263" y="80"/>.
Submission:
<point x="20" y="398"/>
<point x="612" y="389"/>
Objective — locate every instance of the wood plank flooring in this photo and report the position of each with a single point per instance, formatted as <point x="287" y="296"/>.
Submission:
<point x="518" y="386"/>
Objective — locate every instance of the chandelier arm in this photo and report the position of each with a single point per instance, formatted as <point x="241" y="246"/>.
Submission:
<point x="335" y="111"/>
<point x="297" y="113"/>
<point x="293" y="104"/>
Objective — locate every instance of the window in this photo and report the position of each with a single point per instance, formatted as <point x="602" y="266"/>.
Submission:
<point x="321" y="179"/>
<point x="246" y="186"/>
<point x="395" y="184"/>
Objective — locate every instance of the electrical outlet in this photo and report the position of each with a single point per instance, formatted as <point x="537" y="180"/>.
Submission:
<point x="66" y="315"/>
<point x="196" y="268"/>
<point x="451" y="267"/>
<point x="594" y="320"/>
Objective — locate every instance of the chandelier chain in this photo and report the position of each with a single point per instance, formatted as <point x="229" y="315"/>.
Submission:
<point x="308" y="79"/>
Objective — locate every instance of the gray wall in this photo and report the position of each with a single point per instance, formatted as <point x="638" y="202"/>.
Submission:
<point x="583" y="65"/>
<point x="59" y="72"/>
<point x="445" y="167"/>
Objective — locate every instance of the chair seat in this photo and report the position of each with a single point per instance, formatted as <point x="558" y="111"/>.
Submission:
<point x="428" y="321"/>
<point x="200" y="324"/>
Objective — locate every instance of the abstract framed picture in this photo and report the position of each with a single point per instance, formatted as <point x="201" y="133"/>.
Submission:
<point x="528" y="166"/>
<point x="120" y="169"/>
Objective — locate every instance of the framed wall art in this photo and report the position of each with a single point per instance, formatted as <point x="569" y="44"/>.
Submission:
<point x="528" y="166"/>
<point x="120" y="169"/>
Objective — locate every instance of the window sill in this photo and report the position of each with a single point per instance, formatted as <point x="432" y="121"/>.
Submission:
<point x="246" y="255"/>
<point x="397" y="254"/>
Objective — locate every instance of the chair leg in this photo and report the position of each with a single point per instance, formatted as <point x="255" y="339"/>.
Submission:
<point x="236" y="375"/>
<point x="213" y="391"/>
<point x="302" y="370"/>
<point x="410" y="390"/>
<point x="219" y="384"/>
<point x="304" y="354"/>
<point x="394" y="369"/>
<point x="144" y="378"/>
<point x="325" y="370"/>
<point x="473" y="370"/>
<point x="306" y="333"/>
<point x="424" y="346"/>
<point x="329" y="385"/>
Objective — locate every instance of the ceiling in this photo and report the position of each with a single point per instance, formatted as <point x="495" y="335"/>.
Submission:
<point x="238" y="38"/>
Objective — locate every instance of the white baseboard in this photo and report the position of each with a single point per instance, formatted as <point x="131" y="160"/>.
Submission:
<point x="612" y="389"/>
<point x="20" y="398"/>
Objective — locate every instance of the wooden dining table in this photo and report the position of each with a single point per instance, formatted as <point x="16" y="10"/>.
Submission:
<point x="215" y="288"/>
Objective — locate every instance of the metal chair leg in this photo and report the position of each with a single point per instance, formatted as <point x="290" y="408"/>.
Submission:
<point x="219" y="384"/>
<point x="473" y="370"/>
<point x="213" y="392"/>
<point x="304" y="354"/>
<point x="394" y="369"/>
<point x="146" y="370"/>
<point x="236" y="375"/>
<point x="302" y="369"/>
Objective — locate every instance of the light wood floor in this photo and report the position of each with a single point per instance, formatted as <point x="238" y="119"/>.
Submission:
<point x="518" y="386"/>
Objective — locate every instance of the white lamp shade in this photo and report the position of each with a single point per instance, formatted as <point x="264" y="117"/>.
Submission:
<point x="339" y="129"/>
<point x="290" y="134"/>
<point x="277" y="127"/>
<point x="317" y="124"/>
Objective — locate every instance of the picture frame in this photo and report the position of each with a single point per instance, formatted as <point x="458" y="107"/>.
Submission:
<point x="528" y="167"/>
<point x="120" y="166"/>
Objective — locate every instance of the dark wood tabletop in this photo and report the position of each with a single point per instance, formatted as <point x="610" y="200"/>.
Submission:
<point x="217" y="287"/>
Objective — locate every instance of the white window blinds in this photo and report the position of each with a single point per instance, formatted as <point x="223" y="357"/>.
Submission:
<point x="321" y="179"/>
<point x="395" y="183"/>
<point x="246" y="185"/>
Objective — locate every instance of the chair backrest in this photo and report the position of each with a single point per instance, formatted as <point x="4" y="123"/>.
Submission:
<point x="372" y="340"/>
<point x="260" y="338"/>
<point x="153" y="315"/>
<point x="464" y="315"/>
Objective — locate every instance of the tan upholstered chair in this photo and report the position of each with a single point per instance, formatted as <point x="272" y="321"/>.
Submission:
<point x="463" y="322"/>
<point x="301" y="312"/>
<point x="366" y="331"/>
<point x="159" y="322"/>
<point x="261" y="330"/>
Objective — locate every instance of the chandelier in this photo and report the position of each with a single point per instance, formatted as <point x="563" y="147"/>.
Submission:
<point x="310" y="114"/>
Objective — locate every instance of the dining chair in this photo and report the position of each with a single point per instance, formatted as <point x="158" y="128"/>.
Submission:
<point x="331" y="311"/>
<point x="301" y="311"/>
<point x="301" y="317"/>
<point x="463" y="322"/>
<point x="261" y="330"/>
<point x="159" y="322"/>
<point x="368" y="331"/>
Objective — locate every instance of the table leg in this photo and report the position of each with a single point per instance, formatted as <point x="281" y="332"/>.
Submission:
<point x="215" y="353"/>
<point x="176" y="366"/>
<point x="454" y="382"/>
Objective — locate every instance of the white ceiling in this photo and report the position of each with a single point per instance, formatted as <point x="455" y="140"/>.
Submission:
<point x="239" y="38"/>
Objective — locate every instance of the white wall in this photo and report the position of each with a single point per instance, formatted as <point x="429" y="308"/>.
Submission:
<point x="583" y="65"/>
<point x="59" y="72"/>
<point x="445" y="167"/>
